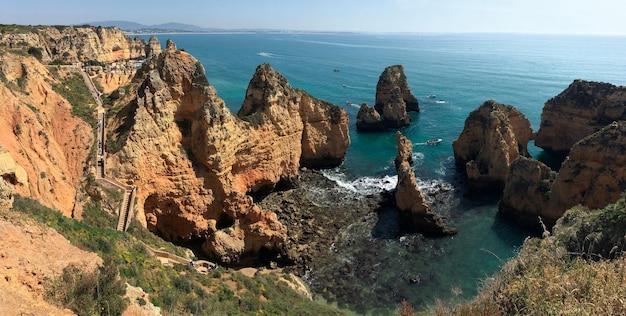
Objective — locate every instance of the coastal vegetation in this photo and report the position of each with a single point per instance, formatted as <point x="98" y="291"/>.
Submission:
<point x="580" y="269"/>
<point x="176" y="290"/>
<point x="74" y="90"/>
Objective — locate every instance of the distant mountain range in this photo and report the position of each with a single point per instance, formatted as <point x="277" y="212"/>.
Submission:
<point x="133" y="27"/>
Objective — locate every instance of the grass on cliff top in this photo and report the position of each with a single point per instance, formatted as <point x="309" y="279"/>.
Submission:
<point x="177" y="290"/>
<point x="580" y="270"/>
<point x="74" y="90"/>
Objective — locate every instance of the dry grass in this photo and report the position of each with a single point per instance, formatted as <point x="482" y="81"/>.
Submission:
<point x="546" y="278"/>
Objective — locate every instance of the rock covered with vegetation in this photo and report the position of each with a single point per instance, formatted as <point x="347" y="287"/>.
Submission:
<point x="579" y="269"/>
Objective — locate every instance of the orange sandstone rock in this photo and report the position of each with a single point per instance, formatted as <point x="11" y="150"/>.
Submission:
<point x="493" y="137"/>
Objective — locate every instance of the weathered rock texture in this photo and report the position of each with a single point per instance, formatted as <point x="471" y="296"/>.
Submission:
<point x="393" y="100"/>
<point x="154" y="47"/>
<point x="194" y="162"/>
<point x="580" y="110"/>
<point x="593" y="175"/>
<point x="493" y="137"/>
<point x="392" y="77"/>
<point x="410" y="200"/>
<point x="48" y="144"/>
<point x="78" y="44"/>
<point x="527" y="192"/>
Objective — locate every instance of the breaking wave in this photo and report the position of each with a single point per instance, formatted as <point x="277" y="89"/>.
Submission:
<point x="364" y="185"/>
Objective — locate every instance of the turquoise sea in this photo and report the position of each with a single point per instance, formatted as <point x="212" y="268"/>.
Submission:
<point x="463" y="71"/>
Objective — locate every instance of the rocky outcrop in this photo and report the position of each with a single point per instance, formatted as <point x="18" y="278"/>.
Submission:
<point x="410" y="201"/>
<point x="40" y="134"/>
<point x="580" y="110"/>
<point x="593" y="175"/>
<point x="393" y="100"/>
<point x="391" y="78"/>
<point x="493" y="137"/>
<point x="195" y="163"/>
<point x="368" y="120"/>
<point x="153" y="48"/>
<point x="527" y="193"/>
<point x="78" y="44"/>
<point x="318" y="129"/>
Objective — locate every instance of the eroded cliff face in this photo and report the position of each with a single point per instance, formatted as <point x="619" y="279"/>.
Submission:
<point x="580" y="110"/>
<point x="39" y="132"/>
<point x="78" y="44"/>
<point x="410" y="201"/>
<point x="527" y="193"/>
<point x="493" y="137"/>
<point x="194" y="162"/>
<point x="593" y="175"/>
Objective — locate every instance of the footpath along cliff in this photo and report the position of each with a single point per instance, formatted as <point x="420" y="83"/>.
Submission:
<point x="197" y="166"/>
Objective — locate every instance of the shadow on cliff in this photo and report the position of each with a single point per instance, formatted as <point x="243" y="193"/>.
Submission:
<point x="117" y="139"/>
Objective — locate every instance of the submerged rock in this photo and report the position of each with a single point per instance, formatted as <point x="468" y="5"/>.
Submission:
<point x="410" y="200"/>
<point x="580" y="110"/>
<point x="493" y="137"/>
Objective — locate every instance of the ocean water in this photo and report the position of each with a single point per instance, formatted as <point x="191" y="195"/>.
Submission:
<point x="462" y="71"/>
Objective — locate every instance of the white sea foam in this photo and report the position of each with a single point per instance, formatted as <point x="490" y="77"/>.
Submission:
<point x="373" y="185"/>
<point x="363" y="185"/>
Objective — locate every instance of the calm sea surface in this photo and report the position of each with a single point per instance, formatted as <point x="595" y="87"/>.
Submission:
<point x="462" y="71"/>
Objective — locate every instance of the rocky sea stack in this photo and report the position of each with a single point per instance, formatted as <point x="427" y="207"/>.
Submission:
<point x="410" y="201"/>
<point x="393" y="100"/>
<point x="196" y="165"/>
<point x="493" y="137"/>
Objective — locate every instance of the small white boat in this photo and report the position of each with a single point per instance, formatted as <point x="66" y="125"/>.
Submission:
<point x="434" y="141"/>
<point x="440" y="101"/>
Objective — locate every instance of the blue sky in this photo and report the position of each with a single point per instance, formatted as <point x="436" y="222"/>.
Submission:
<point x="518" y="16"/>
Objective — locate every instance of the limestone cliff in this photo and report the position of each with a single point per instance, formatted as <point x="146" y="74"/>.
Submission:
<point x="194" y="162"/>
<point x="493" y="137"/>
<point x="77" y="44"/>
<point x="393" y="100"/>
<point x="410" y="201"/>
<point x="40" y="133"/>
<point x="593" y="175"/>
<point x="580" y="110"/>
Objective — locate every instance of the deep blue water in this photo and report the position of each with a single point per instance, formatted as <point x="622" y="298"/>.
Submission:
<point x="461" y="70"/>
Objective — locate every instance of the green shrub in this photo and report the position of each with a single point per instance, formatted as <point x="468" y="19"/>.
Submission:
<point x="88" y="293"/>
<point x="36" y="52"/>
<point x="77" y="94"/>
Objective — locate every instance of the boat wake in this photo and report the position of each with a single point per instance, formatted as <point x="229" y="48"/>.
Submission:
<point x="355" y="87"/>
<point x="269" y="55"/>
